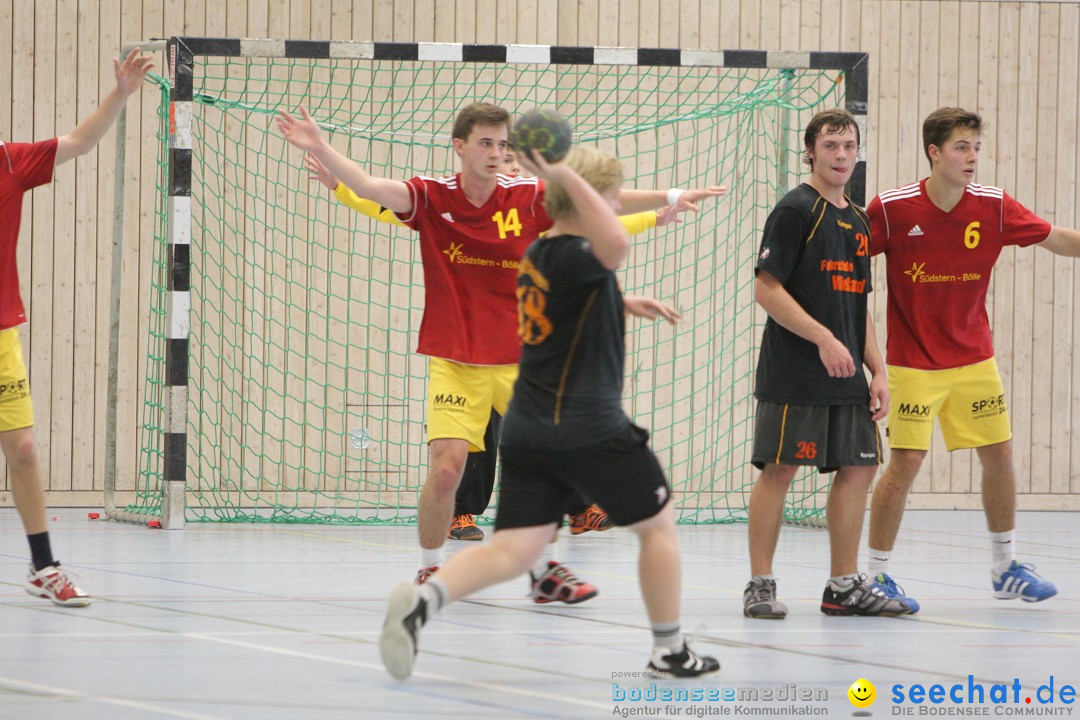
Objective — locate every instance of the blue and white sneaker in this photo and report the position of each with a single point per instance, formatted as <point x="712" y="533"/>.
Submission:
<point x="1021" y="581"/>
<point x="890" y="589"/>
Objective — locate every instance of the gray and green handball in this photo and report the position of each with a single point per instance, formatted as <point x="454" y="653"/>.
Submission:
<point x="543" y="131"/>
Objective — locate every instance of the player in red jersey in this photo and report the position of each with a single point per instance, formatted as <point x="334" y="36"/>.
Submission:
<point x="941" y="238"/>
<point x="24" y="166"/>
<point x="473" y="229"/>
<point x="478" y="479"/>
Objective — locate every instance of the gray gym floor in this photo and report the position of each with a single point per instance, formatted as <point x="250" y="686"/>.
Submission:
<point x="269" y="622"/>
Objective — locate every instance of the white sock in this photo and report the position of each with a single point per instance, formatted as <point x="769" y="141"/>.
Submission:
<point x="436" y="594"/>
<point x="843" y="582"/>
<point x="668" y="637"/>
<point x="1003" y="547"/>
<point x="541" y="565"/>
<point x="430" y="557"/>
<point x="763" y="577"/>
<point x="878" y="561"/>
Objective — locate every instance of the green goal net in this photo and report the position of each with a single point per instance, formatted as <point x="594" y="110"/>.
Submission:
<point x="305" y="398"/>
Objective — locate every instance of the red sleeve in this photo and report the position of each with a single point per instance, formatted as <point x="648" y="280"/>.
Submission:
<point x="33" y="162"/>
<point x="544" y="222"/>
<point x="418" y="192"/>
<point x="1020" y="226"/>
<point x="879" y="226"/>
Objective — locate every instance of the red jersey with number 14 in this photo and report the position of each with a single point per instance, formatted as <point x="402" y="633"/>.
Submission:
<point x="470" y="256"/>
<point x="938" y="266"/>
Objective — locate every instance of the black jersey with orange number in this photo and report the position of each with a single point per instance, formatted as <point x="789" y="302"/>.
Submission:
<point x="570" y="311"/>
<point x="821" y="255"/>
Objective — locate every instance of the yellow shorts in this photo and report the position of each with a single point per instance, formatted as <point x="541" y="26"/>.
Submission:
<point x="16" y="410"/>
<point x="969" y="403"/>
<point x="460" y="399"/>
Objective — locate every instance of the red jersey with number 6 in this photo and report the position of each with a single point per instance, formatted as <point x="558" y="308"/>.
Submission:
<point x="470" y="256"/>
<point x="938" y="267"/>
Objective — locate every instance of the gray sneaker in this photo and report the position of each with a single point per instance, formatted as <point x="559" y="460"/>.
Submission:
<point x="861" y="598"/>
<point x="759" y="601"/>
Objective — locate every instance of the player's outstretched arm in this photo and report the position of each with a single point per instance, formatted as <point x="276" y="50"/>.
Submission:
<point x="777" y="301"/>
<point x="1062" y="241"/>
<point x="634" y="201"/>
<point x="87" y="134"/>
<point x="594" y="218"/>
<point x="650" y="308"/>
<point x="303" y="133"/>
<point x="879" y="382"/>
<point x="345" y="195"/>
<point x="638" y="223"/>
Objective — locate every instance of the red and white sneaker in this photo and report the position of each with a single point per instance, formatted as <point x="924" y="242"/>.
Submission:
<point x="558" y="584"/>
<point x="54" y="584"/>
<point x="424" y="574"/>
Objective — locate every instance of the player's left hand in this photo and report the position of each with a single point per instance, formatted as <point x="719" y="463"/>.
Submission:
<point x="131" y="73"/>
<point x="879" y="397"/>
<point x="667" y="214"/>
<point x="689" y="199"/>
<point x="651" y="308"/>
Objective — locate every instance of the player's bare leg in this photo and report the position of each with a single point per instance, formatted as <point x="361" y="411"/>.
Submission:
<point x="510" y="553"/>
<point x="998" y="486"/>
<point x="890" y="496"/>
<point x="844" y="513"/>
<point x="659" y="567"/>
<point x="436" y="504"/>
<point x="20" y="451"/>
<point x="765" y="512"/>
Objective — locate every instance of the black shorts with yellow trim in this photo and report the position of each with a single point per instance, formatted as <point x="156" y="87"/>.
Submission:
<point x="827" y="437"/>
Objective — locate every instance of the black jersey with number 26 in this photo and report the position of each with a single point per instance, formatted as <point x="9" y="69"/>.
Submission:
<point x="821" y="255"/>
<point x="570" y="313"/>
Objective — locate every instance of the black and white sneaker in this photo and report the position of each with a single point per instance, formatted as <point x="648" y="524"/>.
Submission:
<point x="861" y="599"/>
<point x="683" y="664"/>
<point x="406" y="613"/>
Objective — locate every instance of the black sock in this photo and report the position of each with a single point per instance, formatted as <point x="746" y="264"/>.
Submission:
<point x="40" y="550"/>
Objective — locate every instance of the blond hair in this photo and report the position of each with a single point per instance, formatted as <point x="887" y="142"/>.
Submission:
<point x="596" y="167"/>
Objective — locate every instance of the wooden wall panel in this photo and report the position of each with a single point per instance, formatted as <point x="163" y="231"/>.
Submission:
<point x="1015" y="62"/>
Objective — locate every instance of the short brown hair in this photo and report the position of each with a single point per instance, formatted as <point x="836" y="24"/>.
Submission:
<point x="478" y="114"/>
<point x="828" y="122"/>
<point x="596" y="167"/>
<point x="938" y="126"/>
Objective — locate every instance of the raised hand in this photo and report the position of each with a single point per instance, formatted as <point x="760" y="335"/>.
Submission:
<point x="302" y="132"/>
<point x="131" y="73"/>
<point x="689" y="199"/>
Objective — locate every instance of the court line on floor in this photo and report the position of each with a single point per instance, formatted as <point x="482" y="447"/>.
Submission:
<point x="66" y="693"/>
<point x="293" y="632"/>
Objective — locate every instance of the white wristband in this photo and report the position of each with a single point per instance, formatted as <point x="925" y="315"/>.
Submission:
<point x="673" y="196"/>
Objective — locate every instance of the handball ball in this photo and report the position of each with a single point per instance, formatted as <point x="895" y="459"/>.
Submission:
<point x="543" y="131"/>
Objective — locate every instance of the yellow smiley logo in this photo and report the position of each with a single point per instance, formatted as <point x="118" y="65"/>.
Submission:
<point x="862" y="693"/>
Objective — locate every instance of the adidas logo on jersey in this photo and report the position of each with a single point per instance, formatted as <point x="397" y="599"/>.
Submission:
<point x="915" y="232"/>
<point x="450" y="218"/>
